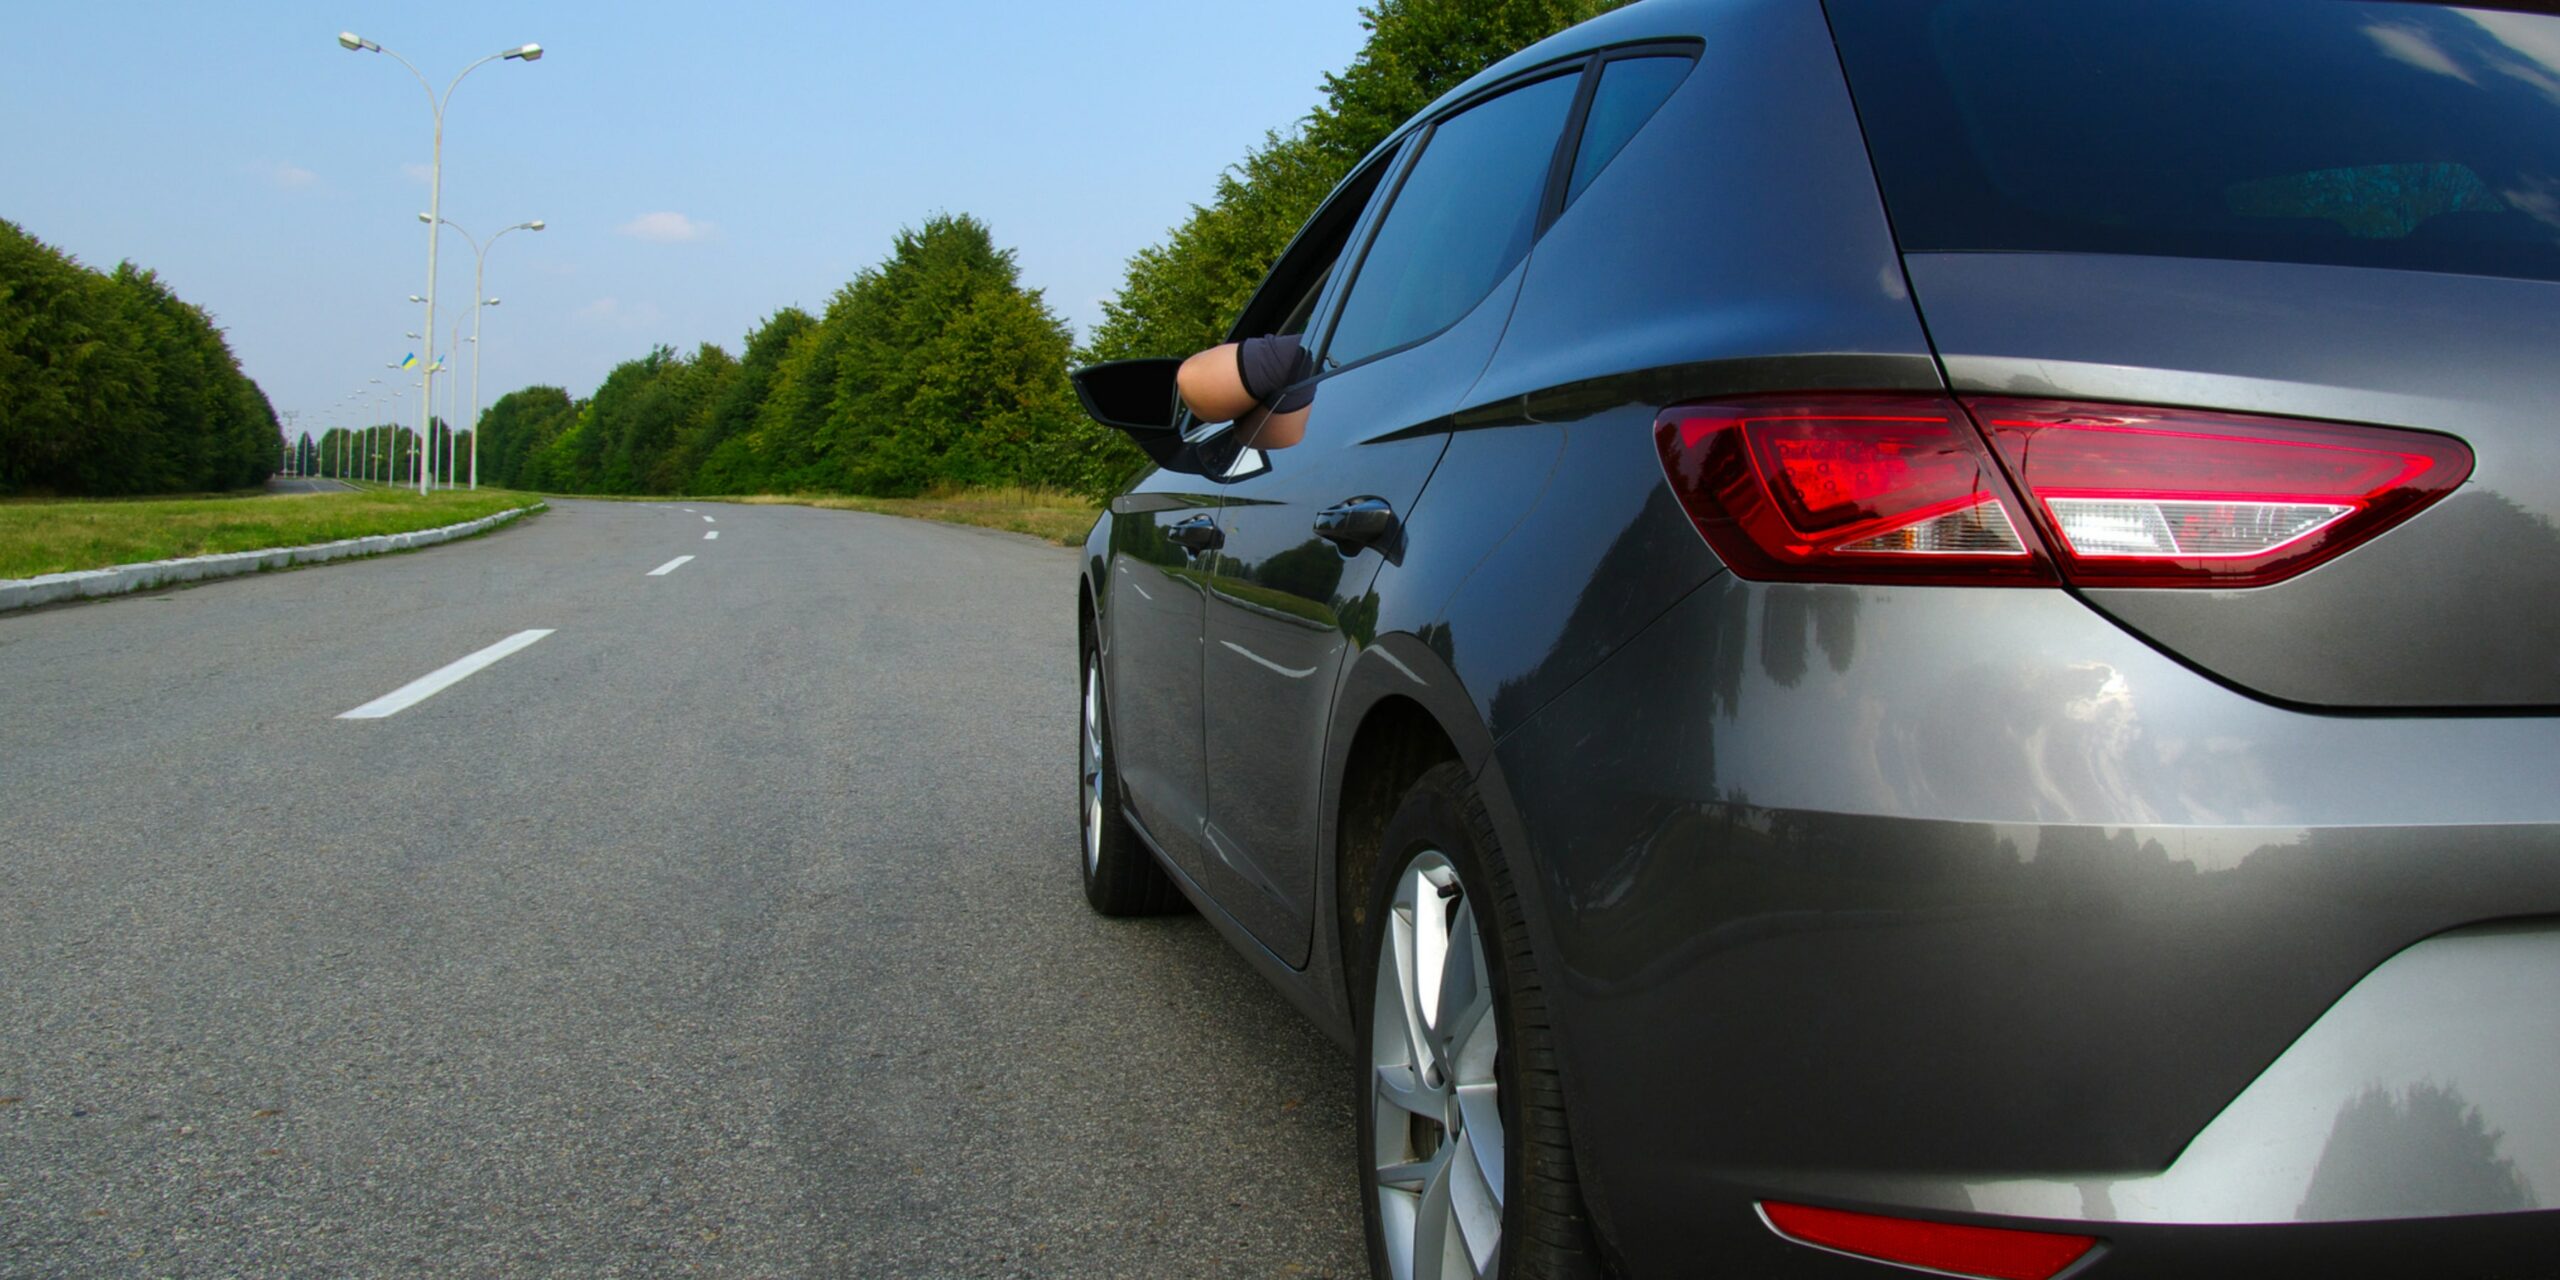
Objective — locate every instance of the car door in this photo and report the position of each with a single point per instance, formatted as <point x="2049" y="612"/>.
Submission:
<point x="1303" y="532"/>
<point x="1162" y="529"/>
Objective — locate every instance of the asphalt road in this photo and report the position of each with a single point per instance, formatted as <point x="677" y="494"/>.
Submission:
<point x="304" y="484"/>
<point x="731" y="928"/>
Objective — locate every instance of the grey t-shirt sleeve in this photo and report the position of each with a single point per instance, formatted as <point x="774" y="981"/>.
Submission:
<point x="1269" y="365"/>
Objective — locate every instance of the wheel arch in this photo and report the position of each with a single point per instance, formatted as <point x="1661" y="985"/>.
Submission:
<point x="1401" y="711"/>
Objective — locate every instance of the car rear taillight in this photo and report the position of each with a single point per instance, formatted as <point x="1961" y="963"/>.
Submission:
<point x="1950" y="1248"/>
<point x="2137" y="497"/>
<point x="1846" y="488"/>
<point x="1890" y="487"/>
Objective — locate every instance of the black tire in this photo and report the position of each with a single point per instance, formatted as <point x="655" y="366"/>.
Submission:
<point x="1544" y="1233"/>
<point x="1121" y="877"/>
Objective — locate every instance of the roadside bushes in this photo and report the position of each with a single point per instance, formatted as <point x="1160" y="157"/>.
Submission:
<point x="110" y="384"/>
<point x="935" y="369"/>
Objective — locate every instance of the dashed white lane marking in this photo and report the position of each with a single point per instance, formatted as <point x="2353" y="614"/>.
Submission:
<point x="709" y="520"/>
<point x="688" y="511"/>
<point x="669" y="567"/>
<point x="1140" y="590"/>
<point x="1294" y="675"/>
<point x="440" y="679"/>
<point x="1390" y="660"/>
<point x="713" y="536"/>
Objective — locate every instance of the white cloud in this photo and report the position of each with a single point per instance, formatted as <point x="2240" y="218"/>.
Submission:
<point x="2414" y="46"/>
<point x="290" y="177"/>
<point x="665" y="228"/>
<point x="422" y="174"/>
<point x="619" y="314"/>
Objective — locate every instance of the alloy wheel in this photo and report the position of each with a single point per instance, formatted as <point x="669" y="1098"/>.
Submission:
<point x="1437" y="1150"/>
<point x="1093" y="761"/>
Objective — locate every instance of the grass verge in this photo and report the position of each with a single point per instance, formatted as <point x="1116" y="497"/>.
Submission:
<point x="1062" y="518"/>
<point x="50" y="536"/>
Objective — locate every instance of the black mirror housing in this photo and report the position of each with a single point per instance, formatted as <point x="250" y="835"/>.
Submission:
<point x="1136" y="396"/>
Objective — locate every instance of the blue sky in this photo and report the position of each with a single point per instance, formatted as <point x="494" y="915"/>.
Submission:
<point x="699" y="165"/>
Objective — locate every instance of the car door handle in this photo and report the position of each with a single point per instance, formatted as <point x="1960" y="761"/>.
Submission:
<point x="1356" y="523"/>
<point x="1197" y="534"/>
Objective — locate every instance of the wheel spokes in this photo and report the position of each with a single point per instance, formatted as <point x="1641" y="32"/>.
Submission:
<point x="1402" y="1089"/>
<point x="1433" y="1234"/>
<point x="1435" y="1110"/>
<point x="1480" y="1118"/>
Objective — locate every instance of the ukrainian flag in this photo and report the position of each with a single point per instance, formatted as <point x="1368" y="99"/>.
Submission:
<point x="409" y="361"/>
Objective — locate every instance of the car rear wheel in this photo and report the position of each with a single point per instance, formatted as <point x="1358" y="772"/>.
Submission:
<point x="1121" y="877"/>
<point x="1462" y="1128"/>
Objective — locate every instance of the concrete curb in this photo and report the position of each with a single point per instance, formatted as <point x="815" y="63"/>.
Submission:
<point x="25" y="593"/>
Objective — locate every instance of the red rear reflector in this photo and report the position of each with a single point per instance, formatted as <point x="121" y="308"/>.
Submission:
<point x="1846" y="488"/>
<point x="2139" y="497"/>
<point x="1897" y="487"/>
<point x="1992" y="1252"/>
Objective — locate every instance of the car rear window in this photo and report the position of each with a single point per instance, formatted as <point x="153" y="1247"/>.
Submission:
<point x="2409" y="136"/>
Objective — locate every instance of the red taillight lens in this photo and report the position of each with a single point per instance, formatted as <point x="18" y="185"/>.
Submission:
<point x="1890" y="487"/>
<point x="1846" y="488"/>
<point x="2137" y="497"/>
<point x="1992" y="1252"/>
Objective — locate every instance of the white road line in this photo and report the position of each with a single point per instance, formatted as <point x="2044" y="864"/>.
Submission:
<point x="709" y="520"/>
<point x="1294" y="675"/>
<point x="1133" y="586"/>
<point x="713" y="536"/>
<point x="440" y="679"/>
<point x="669" y="567"/>
<point x="688" y="511"/>
<point x="1390" y="660"/>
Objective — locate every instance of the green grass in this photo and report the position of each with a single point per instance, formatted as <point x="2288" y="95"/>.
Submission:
<point x="1062" y="518"/>
<point x="54" y="536"/>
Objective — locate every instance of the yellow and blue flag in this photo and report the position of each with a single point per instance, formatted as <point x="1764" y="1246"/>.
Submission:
<point x="409" y="361"/>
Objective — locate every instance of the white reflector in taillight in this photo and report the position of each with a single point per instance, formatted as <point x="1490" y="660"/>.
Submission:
<point x="2169" y="529"/>
<point x="2134" y="496"/>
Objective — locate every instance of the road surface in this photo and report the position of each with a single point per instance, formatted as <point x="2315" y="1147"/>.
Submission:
<point x="731" y="927"/>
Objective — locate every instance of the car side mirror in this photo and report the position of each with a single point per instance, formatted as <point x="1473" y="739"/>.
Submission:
<point x="1136" y="396"/>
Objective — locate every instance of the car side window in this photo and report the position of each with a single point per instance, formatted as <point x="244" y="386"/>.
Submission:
<point x="1629" y="91"/>
<point x="1287" y="298"/>
<point x="1461" y="220"/>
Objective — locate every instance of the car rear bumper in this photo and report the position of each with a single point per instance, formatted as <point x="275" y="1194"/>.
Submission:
<point x="1967" y="902"/>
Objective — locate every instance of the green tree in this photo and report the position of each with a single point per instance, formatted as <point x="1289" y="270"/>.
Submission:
<point x="730" y="463"/>
<point x="1181" y="295"/>
<point x="948" y="371"/>
<point x="518" y="429"/>
<point x="110" y="383"/>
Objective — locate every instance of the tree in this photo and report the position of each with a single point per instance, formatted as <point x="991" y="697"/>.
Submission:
<point x="110" y="383"/>
<point x="1180" y="296"/>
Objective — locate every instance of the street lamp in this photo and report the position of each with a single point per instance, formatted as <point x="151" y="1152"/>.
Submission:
<point x="479" y="298"/>
<point x="435" y="191"/>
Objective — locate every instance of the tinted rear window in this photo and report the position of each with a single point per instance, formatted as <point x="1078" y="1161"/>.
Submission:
<point x="2408" y="136"/>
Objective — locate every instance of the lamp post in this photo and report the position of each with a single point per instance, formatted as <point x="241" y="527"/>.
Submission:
<point x="434" y="216"/>
<point x="479" y="299"/>
<point x="372" y="439"/>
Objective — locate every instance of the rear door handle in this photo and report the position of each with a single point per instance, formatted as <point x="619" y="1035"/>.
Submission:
<point x="1356" y="523"/>
<point x="1197" y="534"/>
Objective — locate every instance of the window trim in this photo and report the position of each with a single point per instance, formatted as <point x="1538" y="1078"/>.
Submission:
<point x="1391" y="159"/>
<point x="1579" y="64"/>
<point x="1560" y="183"/>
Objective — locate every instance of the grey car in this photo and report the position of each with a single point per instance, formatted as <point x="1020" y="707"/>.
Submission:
<point x="1906" y="633"/>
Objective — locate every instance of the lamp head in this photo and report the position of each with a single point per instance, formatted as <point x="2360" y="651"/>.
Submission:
<point x="427" y="218"/>
<point x="529" y="53"/>
<point x="415" y="298"/>
<point x="352" y="43"/>
<point x="535" y="225"/>
<point x="489" y="302"/>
